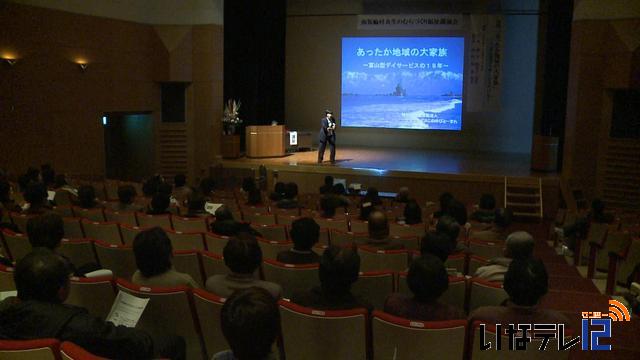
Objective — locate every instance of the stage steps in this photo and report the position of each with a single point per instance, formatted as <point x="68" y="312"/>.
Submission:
<point x="523" y="196"/>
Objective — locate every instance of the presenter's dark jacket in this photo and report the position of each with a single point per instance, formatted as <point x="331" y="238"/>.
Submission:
<point x="23" y="320"/>
<point x="324" y="130"/>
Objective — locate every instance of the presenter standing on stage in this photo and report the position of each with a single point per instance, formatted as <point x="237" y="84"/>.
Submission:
<point x="327" y="135"/>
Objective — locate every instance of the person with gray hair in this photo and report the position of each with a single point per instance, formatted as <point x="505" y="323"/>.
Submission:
<point x="518" y="246"/>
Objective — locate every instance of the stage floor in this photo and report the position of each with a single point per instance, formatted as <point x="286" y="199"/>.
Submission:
<point x="407" y="160"/>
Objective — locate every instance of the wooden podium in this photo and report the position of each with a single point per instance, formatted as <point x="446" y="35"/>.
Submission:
<point x="265" y="141"/>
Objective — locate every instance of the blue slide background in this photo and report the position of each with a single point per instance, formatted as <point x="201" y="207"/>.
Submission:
<point x="402" y="82"/>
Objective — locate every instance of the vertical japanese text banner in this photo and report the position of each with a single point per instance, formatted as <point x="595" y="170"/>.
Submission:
<point x="484" y="72"/>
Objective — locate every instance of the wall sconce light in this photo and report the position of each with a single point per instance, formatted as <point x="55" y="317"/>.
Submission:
<point x="11" y="62"/>
<point x="83" y="66"/>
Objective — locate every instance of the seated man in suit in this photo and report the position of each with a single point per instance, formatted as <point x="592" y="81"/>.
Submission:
<point x="486" y="209"/>
<point x="498" y="230"/>
<point x="339" y="269"/>
<point x="243" y="256"/>
<point x="427" y="280"/>
<point x="226" y="225"/>
<point x="379" y="233"/>
<point x="250" y="322"/>
<point x="305" y="233"/>
<point x="526" y="282"/>
<point x="437" y="244"/>
<point x="449" y="227"/>
<point x="42" y="281"/>
<point x="518" y="246"/>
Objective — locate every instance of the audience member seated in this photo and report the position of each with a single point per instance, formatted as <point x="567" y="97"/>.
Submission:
<point x="449" y="226"/>
<point x="250" y="322"/>
<point x="42" y="281"/>
<point x="437" y="244"/>
<point x="254" y="197"/>
<point x="366" y="207"/>
<point x="486" y="208"/>
<point x="36" y="198"/>
<point x="372" y="197"/>
<point x="518" y="246"/>
<point x="340" y="193"/>
<point x="445" y="200"/>
<point x="379" y="233"/>
<point x="6" y="201"/>
<point x="580" y="227"/>
<point x="159" y="204"/>
<point x="181" y="192"/>
<point x="403" y="195"/>
<point x="339" y="269"/>
<point x="153" y="252"/>
<point x="226" y="225"/>
<point x="207" y="187"/>
<point x="248" y="184"/>
<point x="328" y="185"/>
<point x="151" y="186"/>
<point x="48" y="176"/>
<point x="526" y="282"/>
<point x="428" y="280"/>
<point x="195" y="205"/>
<point x="60" y="184"/>
<point x="87" y="197"/>
<point x="305" y="233"/>
<point x="412" y="213"/>
<point x="278" y="192"/>
<point x="126" y="195"/>
<point x="498" y="230"/>
<point x="289" y="200"/>
<point x="243" y="256"/>
<point x="328" y="206"/>
<point x="458" y="211"/>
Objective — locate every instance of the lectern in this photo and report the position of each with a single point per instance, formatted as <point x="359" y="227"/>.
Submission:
<point x="265" y="141"/>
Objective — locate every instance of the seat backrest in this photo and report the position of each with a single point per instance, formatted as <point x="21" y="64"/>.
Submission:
<point x="186" y="241"/>
<point x="63" y="210"/>
<point x="532" y="352"/>
<point x="317" y="334"/>
<point x="258" y="218"/>
<point x="62" y="197"/>
<point x="398" y="338"/>
<point x="616" y="242"/>
<point x="333" y="223"/>
<point x="455" y="294"/>
<point x="344" y="238"/>
<point x="215" y="243"/>
<point x="188" y="262"/>
<point x="374" y="286"/>
<point x="292" y="278"/>
<point x="406" y="230"/>
<point x="147" y="220"/>
<point x="79" y="251"/>
<point x="38" y="349"/>
<point x="6" y="278"/>
<point x="285" y="219"/>
<point x="122" y="217"/>
<point x="95" y="214"/>
<point x="270" y="249"/>
<point x="410" y="242"/>
<point x="117" y="258"/>
<point x="20" y="220"/>
<point x="273" y="232"/>
<point x="72" y="228"/>
<point x="94" y="294"/>
<point x="17" y="245"/>
<point x="129" y="233"/>
<point x="169" y="309"/>
<point x="71" y="351"/>
<point x="213" y="264"/>
<point x="189" y="224"/>
<point x="485" y="293"/>
<point x="475" y="262"/>
<point x="324" y="237"/>
<point x="359" y="226"/>
<point x="485" y="249"/>
<point x="378" y="260"/>
<point x="108" y="232"/>
<point x="208" y="307"/>
<point x="456" y="262"/>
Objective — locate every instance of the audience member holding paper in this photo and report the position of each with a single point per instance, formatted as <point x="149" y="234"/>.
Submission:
<point x="38" y="312"/>
<point x="153" y="253"/>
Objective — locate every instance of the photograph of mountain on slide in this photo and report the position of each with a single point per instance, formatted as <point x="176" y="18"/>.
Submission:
<point x="402" y="82"/>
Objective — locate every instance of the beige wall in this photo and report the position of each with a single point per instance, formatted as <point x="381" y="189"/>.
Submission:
<point x="50" y="110"/>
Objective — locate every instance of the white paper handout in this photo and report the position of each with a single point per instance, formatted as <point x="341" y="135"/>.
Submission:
<point x="127" y="309"/>
<point x="51" y="195"/>
<point x="211" y="207"/>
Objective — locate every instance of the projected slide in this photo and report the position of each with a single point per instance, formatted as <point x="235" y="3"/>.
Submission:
<point x="402" y="82"/>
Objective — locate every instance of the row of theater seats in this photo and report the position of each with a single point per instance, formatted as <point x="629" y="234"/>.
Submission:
<point x="611" y="248"/>
<point x="43" y="349"/>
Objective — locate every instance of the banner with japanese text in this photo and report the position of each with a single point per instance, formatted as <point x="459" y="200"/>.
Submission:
<point x="411" y="22"/>
<point x="485" y="63"/>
